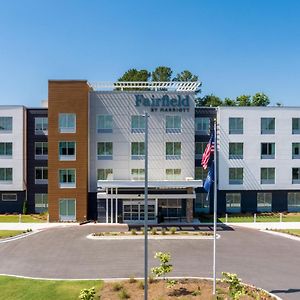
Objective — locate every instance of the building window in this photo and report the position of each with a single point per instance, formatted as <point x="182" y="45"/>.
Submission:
<point x="264" y="202"/>
<point x="104" y="124"/>
<point x="296" y="175"/>
<point x="202" y="126"/>
<point x="137" y="124"/>
<point x="67" y="123"/>
<point x="104" y="150"/>
<point x="173" y="124"/>
<point x="199" y="149"/>
<point x="202" y="203"/>
<point x="233" y="202"/>
<point x="138" y="174"/>
<point x="41" y="203"/>
<point x="9" y="197"/>
<point x="41" y="126"/>
<point x="236" y="150"/>
<point x="267" y="150"/>
<point x="5" y="124"/>
<point x="296" y="126"/>
<point x="267" y="175"/>
<point x="67" y="150"/>
<point x="294" y="201"/>
<point x="200" y="173"/>
<point x="67" y="178"/>
<point x="295" y="150"/>
<point x="235" y="175"/>
<point x="6" y="150"/>
<point x="236" y="125"/>
<point x="41" y="175"/>
<point x="41" y="150"/>
<point x="104" y="174"/>
<point x="173" y="174"/>
<point x="67" y="209"/>
<point x="137" y="150"/>
<point x="173" y="150"/>
<point x="267" y="125"/>
<point x="6" y="175"/>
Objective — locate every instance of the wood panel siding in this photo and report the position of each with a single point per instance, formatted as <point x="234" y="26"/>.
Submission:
<point x="68" y="96"/>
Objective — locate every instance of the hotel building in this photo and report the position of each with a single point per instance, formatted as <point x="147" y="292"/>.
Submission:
<point x="83" y="156"/>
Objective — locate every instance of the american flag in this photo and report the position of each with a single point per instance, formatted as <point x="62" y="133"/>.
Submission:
<point x="207" y="153"/>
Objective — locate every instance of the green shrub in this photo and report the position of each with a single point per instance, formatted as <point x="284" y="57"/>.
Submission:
<point x="133" y="232"/>
<point x="141" y="285"/>
<point x="236" y="289"/>
<point x="132" y="280"/>
<point x="173" y="230"/>
<point x="87" y="294"/>
<point x="163" y="231"/>
<point x="123" y="294"/>
<point x="25" y="207"/>
<point x="154" y="231"/>
<point x="117" y="287"/>
<point x="151" y="279"/>
<point x="165" y="267"/>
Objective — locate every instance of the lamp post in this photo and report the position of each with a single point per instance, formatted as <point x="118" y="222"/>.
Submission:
<point x="146" y="115"/>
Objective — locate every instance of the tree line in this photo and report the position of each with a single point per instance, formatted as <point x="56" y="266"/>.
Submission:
<point x="163" y="73"/>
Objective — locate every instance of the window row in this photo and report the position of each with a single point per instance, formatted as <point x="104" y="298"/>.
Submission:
<point x="264" y="202"/>
<point x="138" y="174"/>
<point x="236" y="150"/>
<point x="105" y="124"/>
<point x="267" y="125"/>
<point x="105" y="150"/>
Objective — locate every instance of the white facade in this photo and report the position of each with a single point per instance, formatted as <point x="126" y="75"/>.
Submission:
<point x="122" y="105"/>
<point x="252" y="139"/>
<point x="18" y="139"/>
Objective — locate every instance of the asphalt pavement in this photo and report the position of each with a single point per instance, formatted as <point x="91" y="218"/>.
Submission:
<point x="268" y="261"/>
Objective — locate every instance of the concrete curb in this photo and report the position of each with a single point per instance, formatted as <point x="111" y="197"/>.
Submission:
<point x="137" y="278"/>
<point x="18" y="237"/>
<point x="151" y="237"/>
<point x="285" y="235"/>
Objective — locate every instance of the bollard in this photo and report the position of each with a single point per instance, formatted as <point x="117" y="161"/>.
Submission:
<point x="20" y="218"/>
<point x="226" y="218"/>
<point x="280" y="217"/>
<point x="47" y="218"/>
<point x="254" y="219"/>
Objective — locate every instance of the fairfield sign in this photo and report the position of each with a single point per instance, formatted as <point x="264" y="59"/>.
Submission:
<point x="166" y="103"/>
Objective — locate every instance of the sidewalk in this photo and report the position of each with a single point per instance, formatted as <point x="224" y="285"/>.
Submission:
<point x="267" y="225"/>
<point x="33" y="226"/>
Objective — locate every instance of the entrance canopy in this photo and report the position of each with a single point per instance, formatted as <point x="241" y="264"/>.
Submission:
<point x="159" y="184"/>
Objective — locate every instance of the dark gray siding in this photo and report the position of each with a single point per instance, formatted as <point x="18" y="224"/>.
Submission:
<point x="12" y="206"/>
<point x="33" y="188"/>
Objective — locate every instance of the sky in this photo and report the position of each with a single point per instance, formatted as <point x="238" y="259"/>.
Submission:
<point x="234" y="46"/>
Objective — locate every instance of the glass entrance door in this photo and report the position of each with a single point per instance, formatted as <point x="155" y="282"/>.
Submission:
<point x="134" y="211"/>
<point x="170" y="210"/>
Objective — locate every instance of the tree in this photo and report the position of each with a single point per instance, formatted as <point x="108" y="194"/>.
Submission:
<point x="162" y="74"/>
<point x="229" y="102"/>
<point x="209" y="100"/>
<point x="185" y="75"/>
<point x="260" y="99"/>
<point x="135" y="75"/>
<point x="243" y="100"/>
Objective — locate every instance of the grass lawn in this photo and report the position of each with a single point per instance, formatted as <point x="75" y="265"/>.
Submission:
<point x="247" y="218"/>
<point x="25" y="219"/>
<point x="9" y="233"/>
<point x="28" y="289"/>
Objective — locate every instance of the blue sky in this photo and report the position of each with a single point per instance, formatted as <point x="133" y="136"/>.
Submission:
<point x="234" y="46"/>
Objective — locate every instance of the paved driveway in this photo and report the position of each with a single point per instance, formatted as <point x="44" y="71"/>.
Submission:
<point x="268" y="261"/>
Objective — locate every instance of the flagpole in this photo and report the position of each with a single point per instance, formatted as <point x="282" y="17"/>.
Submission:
<point x="215" y="206"/>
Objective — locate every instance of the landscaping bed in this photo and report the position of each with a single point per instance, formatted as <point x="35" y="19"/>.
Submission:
<point x="171" y="232"/>
<point x="185" y="289"/>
